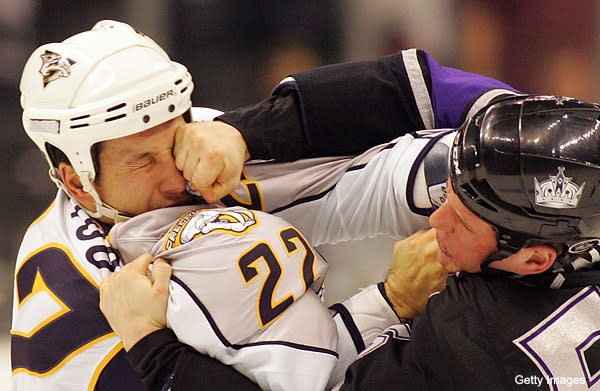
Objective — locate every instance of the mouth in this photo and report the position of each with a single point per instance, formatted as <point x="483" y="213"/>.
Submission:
<point x="441" y="246"/>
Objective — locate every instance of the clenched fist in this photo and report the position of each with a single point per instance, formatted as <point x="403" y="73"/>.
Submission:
<point x="211" y="155"/>
<point x="133" y="303"/>
<point x="415" y="273"/>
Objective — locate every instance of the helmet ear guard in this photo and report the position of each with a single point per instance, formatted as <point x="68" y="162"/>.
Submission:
<point x="98" y="85"/>
<point x="530" y="166"/>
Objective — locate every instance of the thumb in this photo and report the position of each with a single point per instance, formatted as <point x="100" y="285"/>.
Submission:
<point x="161" y="274"/>
<point x="140" y="264"/>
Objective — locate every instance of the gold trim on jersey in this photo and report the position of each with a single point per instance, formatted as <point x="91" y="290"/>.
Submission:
<point x="67" y="358"/>
<point x="245" y="182"/>
<point x="276" y="271"/>
<point x="40" y="286"/>
<point x="114" y="351"/>
<point x="302" y="242"/>
<point x="66" y="250"/>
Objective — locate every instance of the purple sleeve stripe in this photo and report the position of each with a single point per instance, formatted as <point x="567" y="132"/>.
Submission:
<point x="453" y="90"/>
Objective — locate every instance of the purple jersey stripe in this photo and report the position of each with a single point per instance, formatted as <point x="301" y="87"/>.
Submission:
<point x="453" y="90"/>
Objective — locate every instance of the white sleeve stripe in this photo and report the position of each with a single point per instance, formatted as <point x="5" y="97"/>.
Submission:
<point x="419" y="87"/>
<point x="485" y="99"/>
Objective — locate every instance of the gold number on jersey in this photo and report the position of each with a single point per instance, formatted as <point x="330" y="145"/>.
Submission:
<point x="253" y="192"/>
<point x="247" y="263"/>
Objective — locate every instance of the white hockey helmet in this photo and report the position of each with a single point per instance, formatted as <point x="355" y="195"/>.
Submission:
<point x="98" y="85"/>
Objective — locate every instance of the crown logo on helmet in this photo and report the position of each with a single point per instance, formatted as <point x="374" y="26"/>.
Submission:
<point x="54" y="66"/>
<point x="558" y="191"/>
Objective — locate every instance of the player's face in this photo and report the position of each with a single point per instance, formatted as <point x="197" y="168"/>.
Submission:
<point x="138" y="172"/>
<point x="464" y="239"/>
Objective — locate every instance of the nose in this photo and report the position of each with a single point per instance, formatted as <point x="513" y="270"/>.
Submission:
<point x="439" y="218"/>
<point x="172" y="180"/>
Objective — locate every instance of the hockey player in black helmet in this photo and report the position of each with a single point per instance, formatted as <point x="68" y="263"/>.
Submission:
<point x="529" y="166"/>
<point x="520" y="226"/>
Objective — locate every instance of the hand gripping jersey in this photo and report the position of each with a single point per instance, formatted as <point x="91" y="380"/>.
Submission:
<point x="61" y="341"/>
<point x="244" y="290"/>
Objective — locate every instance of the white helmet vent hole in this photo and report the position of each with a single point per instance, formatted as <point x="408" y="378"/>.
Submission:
<point x="115" y="117"/>
<point x="117" y="107"/>
<point x="146" y="119"/>
<point x="171" y="108"/>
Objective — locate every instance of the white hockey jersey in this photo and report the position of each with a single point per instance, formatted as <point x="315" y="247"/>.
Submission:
<point x="61" y="341"/>
<point x="59" y="338"/>
<point x="243" y="291"/>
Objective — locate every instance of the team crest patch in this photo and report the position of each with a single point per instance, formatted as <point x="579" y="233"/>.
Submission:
<point x="558" y="191"/>
<point x="54" y="66"/>
<point x="202" y="222"/>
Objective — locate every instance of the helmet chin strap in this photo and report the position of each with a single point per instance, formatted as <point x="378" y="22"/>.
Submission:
<point x="102" y="209"/>
<point x="505" y="250"/>
<point x="497" y="256"/>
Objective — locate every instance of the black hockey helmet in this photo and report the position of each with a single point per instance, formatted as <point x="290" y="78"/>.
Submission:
<point x="530" y="166"/>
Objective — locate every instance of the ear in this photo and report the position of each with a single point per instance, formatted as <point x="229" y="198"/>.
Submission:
<point x="528" y="260"/>
<point x="72" y="182"/>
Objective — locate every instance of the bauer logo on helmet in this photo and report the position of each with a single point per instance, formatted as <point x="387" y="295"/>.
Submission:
<point x="155" y="99"/>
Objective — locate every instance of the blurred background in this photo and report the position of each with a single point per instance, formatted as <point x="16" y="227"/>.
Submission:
<point x="238" y="50"/>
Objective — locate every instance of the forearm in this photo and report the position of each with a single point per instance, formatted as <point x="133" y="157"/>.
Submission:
<point x="160" y="359"/>
<point x="339" y="109"/>
<point x="272" y="128"/>
<point x="343" y="109"/>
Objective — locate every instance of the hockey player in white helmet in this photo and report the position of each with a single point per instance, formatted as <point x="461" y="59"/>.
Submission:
<point x="103" y="107"/>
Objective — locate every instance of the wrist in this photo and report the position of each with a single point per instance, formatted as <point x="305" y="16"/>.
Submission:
<point x="403" y="311"/>
<point x="134" y="334"/>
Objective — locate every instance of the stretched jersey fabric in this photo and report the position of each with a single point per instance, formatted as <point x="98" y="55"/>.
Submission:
<point x="390" y="189"/>
<point x="61" y="341"/>
<point x="491" y="333"/>
<point x="244" y="290"/>
<point x="386" y="176"/>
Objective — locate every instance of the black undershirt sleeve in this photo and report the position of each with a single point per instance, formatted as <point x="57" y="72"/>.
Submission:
<point x="161" y="360"/>
<point x="272" y="128"/>
<point x="339" y="109"/>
